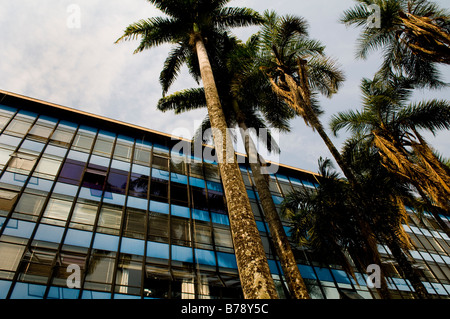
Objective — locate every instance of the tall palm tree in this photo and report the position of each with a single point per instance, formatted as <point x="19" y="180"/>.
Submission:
<point x="391" y="125"/>
<point x="384" y="199"/>
<point x="188" y="25"/>
<point x="413" y="35"/>
<point x="323" y="220"/>
<point x="298" y="70"/>
<point x="245" y="92"/>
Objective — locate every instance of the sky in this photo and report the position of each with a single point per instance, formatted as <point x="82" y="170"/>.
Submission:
<point x="63" y="52"/>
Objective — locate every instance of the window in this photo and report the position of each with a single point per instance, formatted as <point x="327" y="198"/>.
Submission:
<point x="5" y="155"/>
<point x="159" y="189"/>
<point x="128" y="278"/>
<point x="180" y="231"/>
<point x="110" y="219"/>
<point x="18" y="127"/>
<point x="135" y="223"/>
<point x="83" y="215"/>
<point x="178" y="193"/>
<point x="47" y="168"/>
<point x="158" y="227"/>
<point x="99" y="277"/>
<point x="222" y="239"/>
<point x="11" y="256"/>
<point x="22" y="163"/>
<point x="40" y="131"/>
<point x="36" y="265"/>
<point x="57" y="211"/>
<point x="199" y="198"/>
<point x="94" y="177"/>
<point x="203" y="236"/>
<point x="117" y="181"/>
<point x="30" y="204"/>
<point x="7" y="200"/>
<point x="71" y="172"/>
<point x="160" y="162"/>
<point x="142" y="153"/>
<point x="83" y="141"/>
<point x="103" y="146"/>
<point x="138" y="185"/>
<point x="123" y="150"/>
<point x="61" y="136"/>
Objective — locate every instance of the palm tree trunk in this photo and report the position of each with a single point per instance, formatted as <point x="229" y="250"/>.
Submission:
<point x="254" y="272"/>
<point x="407" y="270"/>
<point x="283" y="250"/>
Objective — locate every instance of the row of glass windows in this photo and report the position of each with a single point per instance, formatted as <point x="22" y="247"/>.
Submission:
<point x="116" y="167"/>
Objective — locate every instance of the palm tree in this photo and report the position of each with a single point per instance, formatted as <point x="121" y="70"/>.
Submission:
<point x="323" y="220"/>
<point x="298" y="70"/>
<point x="413" y="35"/>
<point x="188" y="25"/>
<point x="244" y="91"/>
<point x="384" y="199"/>
<point x="391" y="125"/>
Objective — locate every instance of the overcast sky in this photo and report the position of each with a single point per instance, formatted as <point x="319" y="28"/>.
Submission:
<point x="45" y="55"/>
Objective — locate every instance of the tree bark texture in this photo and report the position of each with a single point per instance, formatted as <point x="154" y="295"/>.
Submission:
<point x="254" y="272"/>
<point x="283" y="250"/>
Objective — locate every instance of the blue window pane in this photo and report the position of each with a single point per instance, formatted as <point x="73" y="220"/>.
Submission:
<point x="65" y="189"/>
<point x="307" y="272"/>
<point x="132" y="246"/>
<point x="9" y="140"/>
<point x="95" y="295"/>
<point x="4" y="288"/>
<point x="261" y="226"/>
<point x="178" y="178"/>
<point x="181" y="253"/>
<point x="40" y="184"/>
<point x="214" y="186"/>
<point x="91" y="194"/>
<point x="140" y="170"/>
<point x="122" y="296"/>
<point x="33" y="146"/>
<point x="78" y="238"/>
<point x="120" y="165"/>
<point x="106" y="242"/>
<point x="55" y="150"/>
<point x="7" y="108"/>
<point x="99" y="160"/>
<point x="159" y="207"/>
<point x="13" y="179"/>
<point x="323" y="274"/>
<point x="197" y="182"/>
<point x="200" y="215"/>
<point x="19" y="228"/>
<point x="340" y="276"/>
<point x="220" y="219"/>
<point x="157" y="250"/>
<point x="158" y="173"/>
<point x="27" y="291"/>
<point x="62" y="293"/>
<point x="139" y="203"/>
<point x="49" y="233"/>
<point x="180" y="211"/>
<point x="277" y="199"/>
<point x="78" y="156"/>
<point x="226" y="260"/>
<point x="205" y="257"/>
<point x="251" y="194"/>
<point x="116" y="199"/>
<point x="273" y="266"/>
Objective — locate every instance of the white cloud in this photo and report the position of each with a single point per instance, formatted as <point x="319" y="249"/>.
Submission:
<point x="82" y="68"/>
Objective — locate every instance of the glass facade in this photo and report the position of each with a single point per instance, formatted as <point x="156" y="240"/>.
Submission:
<point x="95" y="209"/>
